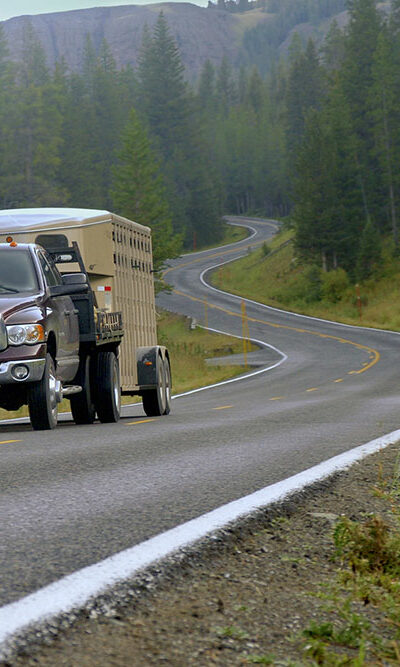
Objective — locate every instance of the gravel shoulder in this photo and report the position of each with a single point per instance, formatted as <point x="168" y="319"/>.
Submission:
<point x="240" y="598"/>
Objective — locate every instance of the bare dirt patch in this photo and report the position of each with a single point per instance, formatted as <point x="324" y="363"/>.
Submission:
<point x="241" y="599"/>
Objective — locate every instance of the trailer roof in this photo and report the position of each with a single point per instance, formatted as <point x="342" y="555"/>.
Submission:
<point x="25" y="219"/>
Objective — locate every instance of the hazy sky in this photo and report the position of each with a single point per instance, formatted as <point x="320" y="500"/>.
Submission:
<point x="10" y="8"/>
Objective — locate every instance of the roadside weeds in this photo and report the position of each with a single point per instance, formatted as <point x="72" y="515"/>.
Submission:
<point x="314" y="581"/>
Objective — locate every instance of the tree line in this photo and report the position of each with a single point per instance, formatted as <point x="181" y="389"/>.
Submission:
<point x="317" y="138"/>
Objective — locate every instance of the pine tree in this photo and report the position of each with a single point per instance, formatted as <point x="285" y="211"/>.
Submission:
<point x="7" y="110"/>
<point x="139" y="192"/>
<point x="305" y="91"/>
<point x="356" y="77"/>
<point x="168" y="110"/>
<point x="385" y="107"/>
<point x="35" y="129"/>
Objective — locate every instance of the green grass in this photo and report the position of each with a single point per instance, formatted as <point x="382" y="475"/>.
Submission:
<point x="231" y="234"/>
<point x="360" y="618"/>
<point x="188" y="349"/>
<point x="278" y="279"/>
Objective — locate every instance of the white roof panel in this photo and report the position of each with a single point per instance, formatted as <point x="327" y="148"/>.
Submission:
<point x="20" y="219"/>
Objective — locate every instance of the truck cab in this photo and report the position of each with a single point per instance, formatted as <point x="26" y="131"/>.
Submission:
<point x="78" y="316"/>
<point x="39" y="327"/>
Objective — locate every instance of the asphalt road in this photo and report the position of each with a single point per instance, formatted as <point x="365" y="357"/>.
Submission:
<point x="76" y="495"/>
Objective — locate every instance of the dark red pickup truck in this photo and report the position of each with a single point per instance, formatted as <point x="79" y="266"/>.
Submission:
<point x="46" y="325"/>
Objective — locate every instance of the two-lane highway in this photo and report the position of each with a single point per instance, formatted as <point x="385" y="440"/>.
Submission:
<point x="75" y="496"/>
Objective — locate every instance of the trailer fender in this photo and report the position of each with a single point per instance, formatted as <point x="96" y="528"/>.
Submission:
<point x="146" y="358"/>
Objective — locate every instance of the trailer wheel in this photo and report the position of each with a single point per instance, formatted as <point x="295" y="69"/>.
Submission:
<point x="42" y="399"/>
<point x="168" y="386"/>
<point x="82" y="405"/>
<point x="154" y="400"/>
<point x="107" y="398"/>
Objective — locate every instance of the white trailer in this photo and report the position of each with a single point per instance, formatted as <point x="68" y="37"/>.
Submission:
<point x="116" y="256"/>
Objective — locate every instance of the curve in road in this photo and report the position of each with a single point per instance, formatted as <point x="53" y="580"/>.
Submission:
<point x="81" y="495"/>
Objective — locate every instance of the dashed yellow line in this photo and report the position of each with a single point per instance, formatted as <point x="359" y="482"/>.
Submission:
<point x="373" y="354"/>
<point x="277" y="398"/>
<point x="230" y="251"/>
<point x="141" y="421"/>
<point x="8" y="442"/>
<point x="223" y="407"/>
<point x="312" y="389"/>
<point x="339" y="380"/>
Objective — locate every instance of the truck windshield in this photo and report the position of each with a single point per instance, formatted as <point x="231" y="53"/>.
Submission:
<point x="17" y="272"/>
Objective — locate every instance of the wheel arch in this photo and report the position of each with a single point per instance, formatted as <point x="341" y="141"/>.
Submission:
<point x="146" y="359"/>
<point x="52" y="345"/>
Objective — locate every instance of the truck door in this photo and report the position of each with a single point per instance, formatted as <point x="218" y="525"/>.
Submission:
<point x="65" y="322"/>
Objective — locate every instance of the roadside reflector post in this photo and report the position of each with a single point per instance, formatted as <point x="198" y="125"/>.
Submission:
<point x="245" y="332"/>
<point x="359" y="304"/>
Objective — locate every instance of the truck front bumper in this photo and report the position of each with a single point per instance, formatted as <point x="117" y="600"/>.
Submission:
<point x="21" y="370"/>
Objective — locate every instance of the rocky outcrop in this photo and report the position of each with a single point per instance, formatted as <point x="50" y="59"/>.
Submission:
<point x="200" y="33"/>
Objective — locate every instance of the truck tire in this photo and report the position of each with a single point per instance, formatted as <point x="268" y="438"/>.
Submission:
<point x="82" y="404"/>
<point x="154" y="400"/>
<point x="42" y="399"/>
<point x="107" y="398"/>
<point x="168" y="386"/>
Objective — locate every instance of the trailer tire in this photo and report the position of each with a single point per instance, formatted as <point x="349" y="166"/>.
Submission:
<point x="107" y="397"/>
<point x="82" y="404"/>
<point x="154" y="400"/>
<point x="42" y="399"/>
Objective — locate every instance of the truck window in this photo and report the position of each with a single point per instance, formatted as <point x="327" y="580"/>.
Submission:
<point x="17" y="272"/>
<point x="51" y="275"/>
<point x="50" y="241"/>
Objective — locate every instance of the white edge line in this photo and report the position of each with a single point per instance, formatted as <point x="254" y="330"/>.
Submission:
<point x="75" y="590"/>
<point x="227" y="245"/>
<point x="240" y="377"/>
<point x="244" y="376"/>
<point x="280" y="310"/>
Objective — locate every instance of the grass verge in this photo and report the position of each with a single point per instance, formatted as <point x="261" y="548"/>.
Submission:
<point x="189" y="349"/>
<point x="368" y="580"/>
<point x="273" y="275"/>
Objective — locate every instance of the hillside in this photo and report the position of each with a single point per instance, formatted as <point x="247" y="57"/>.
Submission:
<point x="201" y="33"/>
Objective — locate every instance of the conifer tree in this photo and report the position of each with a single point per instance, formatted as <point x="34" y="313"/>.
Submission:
<point x="139" y="192"/>
<point x="168" y="110"/>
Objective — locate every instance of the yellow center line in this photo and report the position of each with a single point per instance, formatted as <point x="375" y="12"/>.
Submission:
<point x="7" y="442"/>
<point x="230" y="251"/>
<point x="223" y="407"/>
<point x="141" y="421"/>
<point x="276" y="398"/>
<point x="312" y="389"/>
<point x="339" y="380"/>
<point x="373" y="354"/>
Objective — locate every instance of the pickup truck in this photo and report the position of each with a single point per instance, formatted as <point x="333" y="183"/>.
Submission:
<point x="84" y="330"/>
<point x="40" y="346"/>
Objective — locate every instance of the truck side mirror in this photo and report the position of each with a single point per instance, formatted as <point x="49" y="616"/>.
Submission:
<point x="74" y="279"/>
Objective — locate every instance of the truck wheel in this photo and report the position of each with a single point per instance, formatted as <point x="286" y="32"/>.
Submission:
<point x="168" y="386"/>
<point x="107" y="397"/>
<point x="154" y="400"/>
<point x="42" y="399"/>
<point x="82" y="405"/>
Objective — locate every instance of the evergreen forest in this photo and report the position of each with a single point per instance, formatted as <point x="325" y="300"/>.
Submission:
<point x="313" y="138"/>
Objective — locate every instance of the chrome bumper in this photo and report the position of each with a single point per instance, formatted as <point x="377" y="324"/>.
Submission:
<point x="35" y="370"/>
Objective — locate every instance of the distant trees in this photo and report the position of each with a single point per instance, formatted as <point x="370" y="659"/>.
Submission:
<point x="348" y="167"/>
<point x="317" y="137"/>
<point x="138" y="190"/>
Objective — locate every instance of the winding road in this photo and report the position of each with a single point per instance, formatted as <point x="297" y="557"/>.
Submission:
<point x="76" y="495"/>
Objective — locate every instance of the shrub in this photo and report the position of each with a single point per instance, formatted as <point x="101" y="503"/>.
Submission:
<point x="334" y="285"/>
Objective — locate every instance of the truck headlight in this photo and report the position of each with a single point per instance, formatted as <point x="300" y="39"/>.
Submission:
<point x="25" y="334"/>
